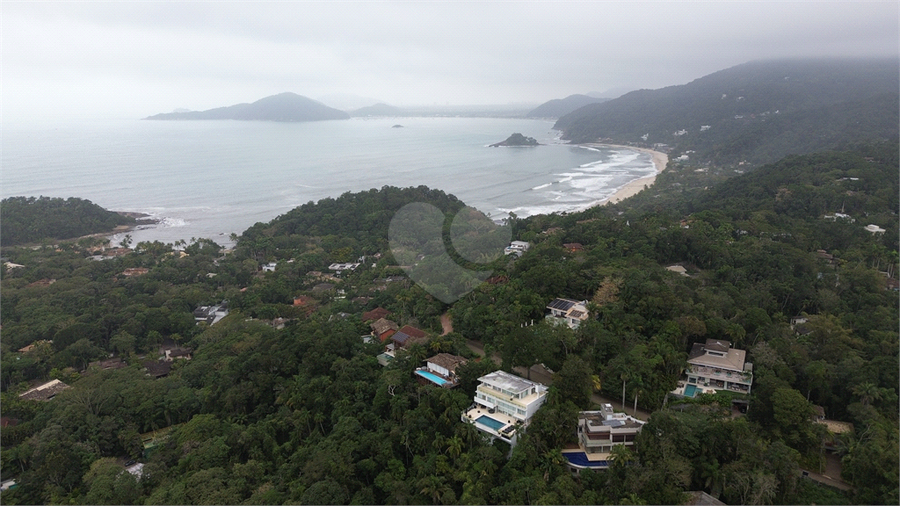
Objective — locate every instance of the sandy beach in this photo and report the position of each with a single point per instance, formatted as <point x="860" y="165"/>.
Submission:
<point x="660" y="160"/>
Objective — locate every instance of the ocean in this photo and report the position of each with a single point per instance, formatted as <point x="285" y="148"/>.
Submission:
<point x="213" y="178"/>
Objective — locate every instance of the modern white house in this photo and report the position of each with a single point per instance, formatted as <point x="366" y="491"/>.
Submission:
<point x="714" y="366"/>
<point x="598" y="432"/>
<point x="211" y="314"/>
<point x="517" y="248"/>
<point x="504" y="404"/>
<point x="348" y="266"/>
<point x="567" y="311"/>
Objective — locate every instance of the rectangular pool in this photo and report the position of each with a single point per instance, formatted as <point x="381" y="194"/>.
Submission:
<point x="490" y="422"/>
<point x="690" y="390"/>
<point x="432" y="377"/>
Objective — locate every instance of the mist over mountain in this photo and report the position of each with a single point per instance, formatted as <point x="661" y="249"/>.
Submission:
<point x="757" y="112"/>
<point x="562" y="106"/>
<point x="282" y="107"/>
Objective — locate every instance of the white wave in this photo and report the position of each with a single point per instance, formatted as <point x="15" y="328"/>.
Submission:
<point x="172" y="222"/>
<point x="539" y="187"/>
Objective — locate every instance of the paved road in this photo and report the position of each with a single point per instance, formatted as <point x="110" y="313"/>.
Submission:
<point x="542" y="375"/>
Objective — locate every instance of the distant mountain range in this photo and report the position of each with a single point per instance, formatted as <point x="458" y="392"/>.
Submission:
<point x="282" y="107"/>
<point x="561" y="106"/>
<point x="756" y="112"/>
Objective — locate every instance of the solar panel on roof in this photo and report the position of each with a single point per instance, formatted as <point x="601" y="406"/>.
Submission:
<point x="561" y="304"/>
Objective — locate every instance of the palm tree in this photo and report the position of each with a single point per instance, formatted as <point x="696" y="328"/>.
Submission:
<point x="867" y="392"/>
<point x="454" y="446"/>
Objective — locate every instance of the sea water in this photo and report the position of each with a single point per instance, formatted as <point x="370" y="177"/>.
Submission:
<point x="213" y="178"/>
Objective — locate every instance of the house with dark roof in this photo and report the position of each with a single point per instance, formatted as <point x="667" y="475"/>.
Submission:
<point x="177" y="352"/>
<point x="112" y="363"/>
<point x="375" y="314"/>
<point x="45" y="391"/>
<point x="567" y="311"/>
<point x="157" y="368"/>
<point x="441" y="370"/>
<point x="715" y="365"/>
<point x="573" y="247"/>
<point x="407" y="336"/>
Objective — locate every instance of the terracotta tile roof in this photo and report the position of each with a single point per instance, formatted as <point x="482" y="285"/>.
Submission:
<point x="375" y="314"/>
<point x="412" y="331"/>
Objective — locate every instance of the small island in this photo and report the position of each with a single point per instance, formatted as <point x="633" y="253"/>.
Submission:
<point x="517" y="139"/>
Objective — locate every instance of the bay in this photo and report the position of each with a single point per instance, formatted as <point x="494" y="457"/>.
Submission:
<point x="213" y="178"/>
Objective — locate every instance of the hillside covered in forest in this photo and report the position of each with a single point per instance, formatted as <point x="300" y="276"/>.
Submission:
<point x="283" y="400"/>
<point x="30" y="219"/>
<point x="757" y="112"/>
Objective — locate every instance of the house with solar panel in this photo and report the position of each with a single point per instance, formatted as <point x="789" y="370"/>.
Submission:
<point x="713" y="366"/>
<point x="567" y="312"/>
<point x="598" y="432"/>
<point x="504" y="404"/>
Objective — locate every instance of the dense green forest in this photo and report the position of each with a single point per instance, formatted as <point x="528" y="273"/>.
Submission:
<point x="305" y="413"/>
<point x="757" y="112"/>
<point x="30" y="219"/>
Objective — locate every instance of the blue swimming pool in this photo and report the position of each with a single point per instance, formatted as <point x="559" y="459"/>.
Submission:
<point x="690" y="390"/>
<point x="490" y="422"/>
<point x="432" y="377"/>
<point x="580" y="459"/>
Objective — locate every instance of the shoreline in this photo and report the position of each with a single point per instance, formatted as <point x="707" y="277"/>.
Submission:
<point x="660" y="161"/>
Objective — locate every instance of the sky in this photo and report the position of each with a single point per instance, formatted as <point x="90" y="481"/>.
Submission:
<point x="133" y="59"/>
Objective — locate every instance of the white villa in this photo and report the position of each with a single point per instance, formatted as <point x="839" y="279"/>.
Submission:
<point x="504" y="403"/>
<point x="714" y="366"/>
<point x="517" y="248"/>
<point x="568" y="311"/>
<point x="348" y="266"/>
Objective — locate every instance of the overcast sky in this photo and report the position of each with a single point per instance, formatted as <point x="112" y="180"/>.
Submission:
<point x="120" y="60"/>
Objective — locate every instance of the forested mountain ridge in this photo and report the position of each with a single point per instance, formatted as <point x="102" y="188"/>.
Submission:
<point x="282" y="107"/>
<point x="30" y="219"/>
<point x="562" y="106"/>
<point x="757" y="112"/>
<point x="262" y="415"/>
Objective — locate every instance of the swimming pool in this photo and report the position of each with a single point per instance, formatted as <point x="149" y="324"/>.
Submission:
<point x="432" y="377"/>
<point x="690" y="390"/>
<point x="490" y="422"/>
<point x="579" y="459"/>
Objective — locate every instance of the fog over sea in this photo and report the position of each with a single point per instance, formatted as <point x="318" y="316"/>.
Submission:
<point x="212" y="178"/>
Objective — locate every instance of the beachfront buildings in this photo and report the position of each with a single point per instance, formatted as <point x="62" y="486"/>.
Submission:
<point x="715" y="365"/>
<point x="503" y="404"/>
<point x="567" y="312"/>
